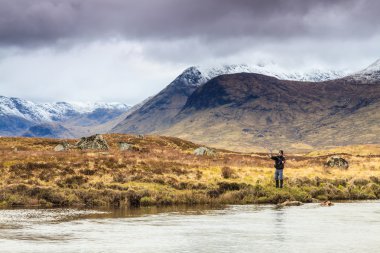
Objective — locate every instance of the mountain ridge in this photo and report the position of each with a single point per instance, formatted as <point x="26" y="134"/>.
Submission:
<point x="174" y="96"/>
<point x="273" y="111"/>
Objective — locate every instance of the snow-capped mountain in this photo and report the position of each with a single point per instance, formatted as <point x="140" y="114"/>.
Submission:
<point x="315" y="75"/>
<point x="48" y="112"/>
<point x="368" y="75"/>
<point x="198" y="75"/>
<point x="233" y="111"/>
<point x="18" y="115"/>
<point x="148" y="116"/>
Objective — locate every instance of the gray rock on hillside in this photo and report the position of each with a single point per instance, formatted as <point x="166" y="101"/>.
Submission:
<point x="204" y="151"/>
<point x="62" y="147"/>
<point x="96" y="142"/>
<point x="126" y="146"/>
<point x="337" y="161"/>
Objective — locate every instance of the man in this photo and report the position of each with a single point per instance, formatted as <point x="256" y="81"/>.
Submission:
<point x="279" y="165"/>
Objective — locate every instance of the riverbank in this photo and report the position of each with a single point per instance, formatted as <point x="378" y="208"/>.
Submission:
<point x="165" y="171"/>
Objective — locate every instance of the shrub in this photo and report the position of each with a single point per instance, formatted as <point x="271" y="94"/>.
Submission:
<point x="32" y="166"/>
<point x="146" y="201"/>
<point x="119" y="178"/>
<point x="87" y="172"/>
<point x="134" y="199"/>
<point x="198" y="174"/>
<point x="226" y="186"/>
<point x="227" y="172"/>
<point x="74" y="181"/>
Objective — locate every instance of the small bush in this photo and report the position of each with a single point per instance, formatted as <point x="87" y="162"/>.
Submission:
<point x="226" y="186"/>
<point x="87" y="172"/>
<point x="119" y="178"/>
<point x="32" y="166"/>
<point x="74" y="181"/>
<point x="227" y="172"/>
<point x="198" y="174"/>
<point x="146" y="201"/>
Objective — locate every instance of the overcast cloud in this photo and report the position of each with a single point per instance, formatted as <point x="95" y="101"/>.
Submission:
<point x="120" y="50"/>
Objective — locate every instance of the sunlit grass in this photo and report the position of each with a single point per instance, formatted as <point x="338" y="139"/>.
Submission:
<point x="164" y="171"/>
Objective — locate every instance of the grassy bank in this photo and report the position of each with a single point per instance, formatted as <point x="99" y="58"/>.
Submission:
<point x="164" y="171"/>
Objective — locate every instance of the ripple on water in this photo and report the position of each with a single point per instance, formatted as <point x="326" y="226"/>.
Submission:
<point x="16" y="218"/>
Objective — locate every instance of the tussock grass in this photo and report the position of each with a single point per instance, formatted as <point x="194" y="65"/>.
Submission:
<point x="164" y="171"/>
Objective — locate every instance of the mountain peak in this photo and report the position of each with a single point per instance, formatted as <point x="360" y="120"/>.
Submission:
<point x="374" y="66"/>
<point x="370" y="74"/>
<point x="189" y="77"/>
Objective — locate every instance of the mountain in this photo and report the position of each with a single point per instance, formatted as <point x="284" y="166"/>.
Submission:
<point x="158" y="112"/>
<point x="246" y="111"/>
<point x="60" y="119"/>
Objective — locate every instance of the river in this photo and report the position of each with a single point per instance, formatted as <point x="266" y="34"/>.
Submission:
<point x="344" y="227"/>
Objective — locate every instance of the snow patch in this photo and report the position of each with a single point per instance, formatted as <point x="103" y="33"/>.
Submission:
<point x="198" y="75"/>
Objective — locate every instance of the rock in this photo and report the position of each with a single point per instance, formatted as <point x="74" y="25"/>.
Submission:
<point x="289" y="203"/>
<point x="96" y="142"/>
<point x="141" y="136"/>
<point x="327" y="203"/>
<point x="62" y="147"/>
<point x="204" y="151"/>
<point x="126" y="146"/>
<point x="336" y="161"/>
<point x="59" y="148"/>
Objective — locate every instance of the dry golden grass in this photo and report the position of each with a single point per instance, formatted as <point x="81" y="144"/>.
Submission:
<point x="163" y="171"/>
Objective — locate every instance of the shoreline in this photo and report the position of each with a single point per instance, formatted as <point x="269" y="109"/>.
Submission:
<point x="228" y="193"/>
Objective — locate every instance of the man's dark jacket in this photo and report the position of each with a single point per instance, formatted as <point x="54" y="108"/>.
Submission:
<point x="279" y="162"/>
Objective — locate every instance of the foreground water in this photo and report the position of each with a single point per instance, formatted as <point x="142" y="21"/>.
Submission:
<point x="345" y="227"/>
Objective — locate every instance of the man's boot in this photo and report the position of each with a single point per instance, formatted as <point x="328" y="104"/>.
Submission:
<point x="277" y="183"/>
<point x="281" y="183"/>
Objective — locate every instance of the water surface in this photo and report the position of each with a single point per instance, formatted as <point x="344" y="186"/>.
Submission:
<point x="344" y="227"/>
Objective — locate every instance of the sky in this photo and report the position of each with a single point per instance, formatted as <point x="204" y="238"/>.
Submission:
<point x="125" y="51"/>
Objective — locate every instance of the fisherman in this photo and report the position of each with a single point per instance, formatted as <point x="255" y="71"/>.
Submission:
<point x="279" y="165"/>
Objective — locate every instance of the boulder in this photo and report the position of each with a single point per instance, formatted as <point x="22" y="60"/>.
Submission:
<point x="204" y="151"/>
<point x="62" y="147"/>
<point x="95" y="142"/>
<point x="337" y="161"/>
<point x="290" y="203"/>
<point x="327" y="203"/>
<point x="126" y="146"/>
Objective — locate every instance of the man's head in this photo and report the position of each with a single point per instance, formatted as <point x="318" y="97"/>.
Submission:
<point x="281" y="152"/>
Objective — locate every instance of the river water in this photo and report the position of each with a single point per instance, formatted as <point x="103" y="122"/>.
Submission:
<point x="344" y="227"/>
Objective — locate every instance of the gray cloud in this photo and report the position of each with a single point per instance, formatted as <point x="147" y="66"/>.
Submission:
<point x="39" y="22"/>
<point x="123" y="50"/>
